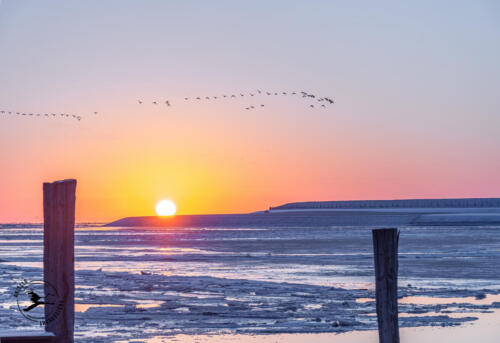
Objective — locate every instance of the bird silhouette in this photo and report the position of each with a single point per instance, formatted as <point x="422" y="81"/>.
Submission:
<point x="322" y="102"/>
<point x="35" y="299"/>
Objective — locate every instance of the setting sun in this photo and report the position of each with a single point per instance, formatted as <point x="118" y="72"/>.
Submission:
<point x="165" y="208"/>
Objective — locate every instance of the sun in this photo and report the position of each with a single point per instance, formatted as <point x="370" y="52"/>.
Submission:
<point x="165" y="208"/>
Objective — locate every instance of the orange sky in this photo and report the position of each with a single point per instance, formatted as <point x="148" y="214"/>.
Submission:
<point x="416" y="112"/>
<point x="207" y="164"/>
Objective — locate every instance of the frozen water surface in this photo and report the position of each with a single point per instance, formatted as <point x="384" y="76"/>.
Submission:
<point x="262" y="284"/>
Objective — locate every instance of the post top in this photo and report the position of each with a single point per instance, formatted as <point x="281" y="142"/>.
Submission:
<point x="385" y="229"/>
<point x="60" y="181"/>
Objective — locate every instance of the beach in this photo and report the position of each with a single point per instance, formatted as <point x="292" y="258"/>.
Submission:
<point x="260" y="283"/>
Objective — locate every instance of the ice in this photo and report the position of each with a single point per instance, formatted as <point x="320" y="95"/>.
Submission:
<point x="145" y="283"/>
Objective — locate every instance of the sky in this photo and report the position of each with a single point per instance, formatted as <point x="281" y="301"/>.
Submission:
<point x="416" y="114"/>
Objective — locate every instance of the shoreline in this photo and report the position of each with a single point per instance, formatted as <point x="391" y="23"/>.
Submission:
<point x="485" y="329"/>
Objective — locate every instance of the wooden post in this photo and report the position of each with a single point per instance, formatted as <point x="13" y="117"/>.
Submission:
<point x="385" y="248"/>
<point x="59" y="258"/>
<point x="15" y="336"/>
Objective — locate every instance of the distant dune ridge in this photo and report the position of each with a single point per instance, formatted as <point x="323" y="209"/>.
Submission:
<point x="480" y="211"/>
<point x="407" y="203"/>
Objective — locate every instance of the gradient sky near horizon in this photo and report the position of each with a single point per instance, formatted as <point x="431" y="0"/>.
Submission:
<point x="416" y="85"/>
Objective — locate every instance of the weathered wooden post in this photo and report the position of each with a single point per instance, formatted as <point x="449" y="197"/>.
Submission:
<point x="385" y="248"/>
<point x="59" y="258"/>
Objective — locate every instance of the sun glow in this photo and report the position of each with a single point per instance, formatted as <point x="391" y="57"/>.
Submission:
<point x="165" y="208"/>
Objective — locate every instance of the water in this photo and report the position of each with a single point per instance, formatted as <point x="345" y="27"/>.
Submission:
<point x="150" y="282"/>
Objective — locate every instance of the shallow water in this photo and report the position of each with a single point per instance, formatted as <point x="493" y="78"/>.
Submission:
<point x="145" y="283"/>
<point x="486" y="330"/>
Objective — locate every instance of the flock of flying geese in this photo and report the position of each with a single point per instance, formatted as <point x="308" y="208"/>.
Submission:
<point x="315" y="102"/>
<point x="48" y="115"/>
<point x="321" y="102"/>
